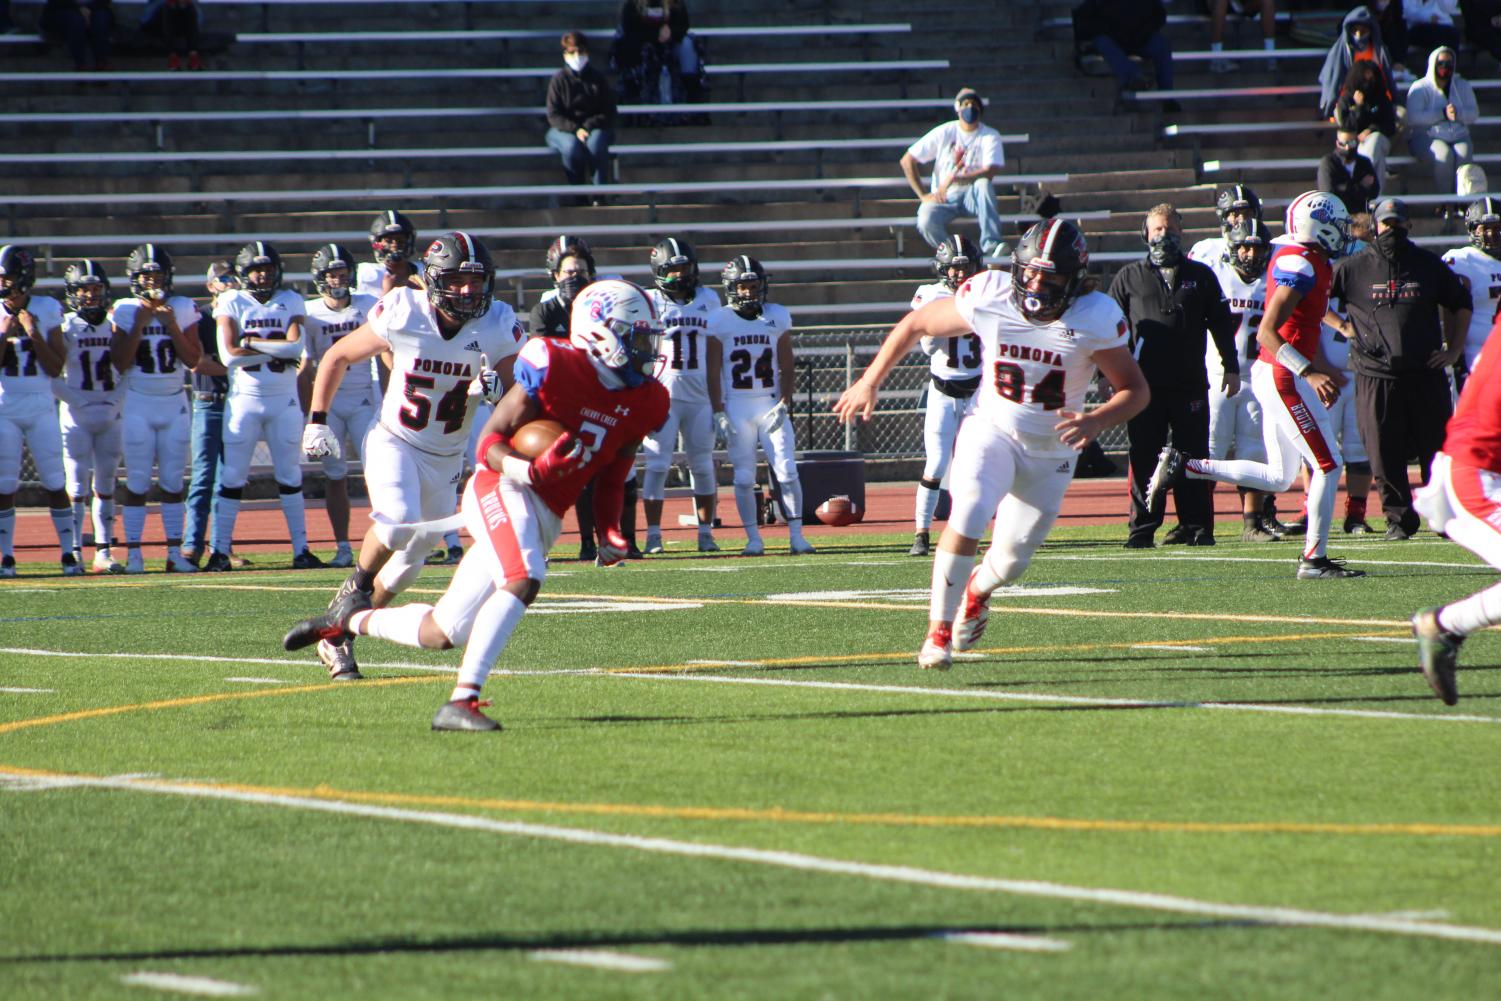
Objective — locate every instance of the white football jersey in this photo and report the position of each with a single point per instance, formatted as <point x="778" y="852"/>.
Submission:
<point x="90" y="377"/>
<point x="1248" y="303"/>
<point x="1209" y="250"/>
<point x="156" y="370"/>
<point x="949" y="358"/>
<point x="322" y="329"/>
<point x="21" y="371"/>
<point x="685" y="327"/>
<point x="1483" y="272"/>
<point x="1035" y="370"/>
<point x="271" y="320"/>
<point x="749" y="350"/>
<point x="427" y="401"/>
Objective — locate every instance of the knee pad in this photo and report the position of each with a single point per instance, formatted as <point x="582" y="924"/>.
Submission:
<point x="284" y="489"/>
<point x="399" y="573"/>
<point x="1359" y="467"/>
<point x="455" y="620"/>
<point x="928" y="483"/>
<point x="702" y="474"/>
<point x="746" y="479"/>
<point x="229" y="493"/>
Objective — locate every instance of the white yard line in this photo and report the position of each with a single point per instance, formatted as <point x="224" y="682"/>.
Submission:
<point x="796" y="861"/>
<point x="1255" y="559"/>
<point x="1004" y="940"/>
<point x="29" y="691"/>
<point x="601" y="959"/>
<point x="201" y="986"/>
<point x="1171" y="648"/>
<point x="259" y="681"/>
<point x="1409" y="640"/>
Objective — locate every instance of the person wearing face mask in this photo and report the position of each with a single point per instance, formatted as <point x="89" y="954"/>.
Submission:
<point x="1359" y="41"/>
<point x="1347" y="174"/>
<point x="965" y="155"/>
<point x="1440" y="110"/>
<point x="1408" y="313"/>
<point x="581" y="114"/>
<point x="1365" y="106"/>
<point x="1173" y="305"/>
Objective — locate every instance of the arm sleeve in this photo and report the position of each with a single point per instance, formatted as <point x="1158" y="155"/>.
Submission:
<point x="609" y="493"/>
<point x="531" y="367"/>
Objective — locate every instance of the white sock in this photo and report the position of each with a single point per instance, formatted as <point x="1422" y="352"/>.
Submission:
<point x="927" y="503"/>
<point x="343" y="547"/>
<point x="1322" y="487"/>
<point x="1472" y="614"/>
<point x="1269" y="44"/>
<point x="1240" y="472"/>
<point x="62" y="524"/>
<point x="1216" y="46"/>
<point x="745" y="504"/>
<point x="8" y="532"/>
<point x="950" y="572"/>
<point x="397" y="625"/>
<point x="988" y="578"/>
<point x="294" y="509"/>
<point x="135" y="524"/>
<point x="493" y="625"/>
<point x="451" y="540"/>
<point x="705" y="529"/>
<point x="104" y="522"/>
<point x="172" y="515"/>
<point x="792" y="500"/>
<point x="795" y="530"/>
<point x="80" y="522"/>
<point x="226" y="511"/>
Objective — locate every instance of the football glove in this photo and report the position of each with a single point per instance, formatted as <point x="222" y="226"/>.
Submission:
<point x="724" y="431"/>
<point x="564" y="457"/>
<point x="318" y="442"/>
<point x="486" y="385"/>
<point x="773" y="418"/>
<point x="612" y="548"/>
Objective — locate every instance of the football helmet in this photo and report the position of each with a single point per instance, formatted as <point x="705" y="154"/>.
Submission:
<point x="615" y="323"/>
<point x="1048" y="269"/>
<point x="392" y="224"/>
<point x="1238" y="198"/>
<point x="957" y="253"/>
<point x="332" y="257"/>
<point x="1254" y="235"/>
<point x="17" y="271"/>
<point x="674" y="268"/>
<point x="449" y="268"/>
<point x="149" y="269"/>
<point x="745" y="286"/>
<point x="1319" y="218"/>
<point x="262" y="257"/>
<point x="568" y="246"/>
<point x="1483" y="220"/>
<point x="86" y="290"/>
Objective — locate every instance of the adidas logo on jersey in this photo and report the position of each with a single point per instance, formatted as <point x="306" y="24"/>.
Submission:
<point x="1065" y="467"/>
<point x="472" y="346"/>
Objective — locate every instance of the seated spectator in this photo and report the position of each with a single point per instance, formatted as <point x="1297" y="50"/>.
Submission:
<point x="1220" y="9"/>
<point x="1359" y="41"/>
<point x="652" y="42"/>
<point x="85" y="27"/>
<point x="1393" y="28"/>
<point x="1482" y="25"/>
<point x="1430" y="24"/>
<point x="965" y="155"/>
<point x="581" y="114"/>
<point x="1120" y="29"/>
<point x="1440" y="109"/>
<point x="1347" y="174"/>
<point x="175" y="23"/>
<point x="1366" y="107"/>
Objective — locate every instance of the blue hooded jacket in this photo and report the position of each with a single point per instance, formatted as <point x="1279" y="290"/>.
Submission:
<point x="1341" y="57"/>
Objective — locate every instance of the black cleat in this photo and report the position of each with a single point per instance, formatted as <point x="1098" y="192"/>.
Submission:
<point x="306" y="560"/>
<point x="331" y="625"/>
<point x="1396" y="533"/>
<point x="1169" y="470"/>
<point x="1139" y="542"/>
<point x="1323" y="568"/>
<point x="1178" y="535"/>
<point x="920" y="545"/>
<point x="464" y="714"/>
<point x="1438" y="652"/>
<point x="1258" y="532"/>
<point x="1356" y="526"/>
<point x="217" y="563"/>
<point x="588" y="551"/>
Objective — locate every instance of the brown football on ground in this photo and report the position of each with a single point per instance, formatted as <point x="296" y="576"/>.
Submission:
<point x="531" y="440"/>
<point x="839" y="511"/>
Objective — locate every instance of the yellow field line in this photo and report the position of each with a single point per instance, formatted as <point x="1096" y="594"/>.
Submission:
<point x="779" y="815"/>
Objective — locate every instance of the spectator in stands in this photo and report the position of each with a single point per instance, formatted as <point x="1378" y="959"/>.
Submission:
<point x="965" y="155"/>
<point x="651" y="42"/>
<point x="210" y="386"/>
<point x="1440" y="109"/>
<point x="1365" y="105"/>
<point x="1123" y="28"/>
<point x="1347" y="174"/>
<point x="85" y="27"/>
<point x="1483" y="25"/>
<point x="1359" y="41"/>
<point x="176" y="24"/>
<point x="1243" y="8"/>
<point x="1430" y="24"/>
<point x="581" y="114"/>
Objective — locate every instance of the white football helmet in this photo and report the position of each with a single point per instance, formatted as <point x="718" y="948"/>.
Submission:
<point x="1319" y="218"/>
<point x="615" y="322"/>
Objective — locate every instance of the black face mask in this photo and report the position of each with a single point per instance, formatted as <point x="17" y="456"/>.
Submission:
<point x="1389" y="241"/>
<point x="1346" y="153"/>
<point x="1165" y="251"/>
<point x="570" y="287"/>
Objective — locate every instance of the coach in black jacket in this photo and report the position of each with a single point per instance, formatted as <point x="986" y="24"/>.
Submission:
<point x="1171" y="304"/>
<point x="1401" y="350"/>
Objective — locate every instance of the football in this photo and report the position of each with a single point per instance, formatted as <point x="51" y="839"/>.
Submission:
<point x="531" y="440"/>
<point x="839" y="511"/>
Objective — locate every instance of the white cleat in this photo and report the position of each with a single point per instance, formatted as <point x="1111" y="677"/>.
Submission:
<point x="105" y="562"/>
<point x="178" y="564"/>
<point x="974" y="614"/>
<point x="754" y="549"/>
<point x="135" y="563"/>
<point x="7" y="567"/>
<point x="802" y="547"/>
<point x="937" y="653"/>
<point x="71" y="566"/>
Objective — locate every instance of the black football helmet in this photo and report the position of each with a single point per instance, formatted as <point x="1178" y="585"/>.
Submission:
<point x="392" y="224"/>
<point x="332" y="257"/>
<point x="1236" y="198"/>
<point x="1048" y="269"/>
<point x="1253" y="234"/>
<point x="259" y="256"/>
<point x="17" y="271"/>
<point x="452" y="259"/>
<point x="568" y="246"/>
<point x="149" y="260"/>
<point x="957" y="253"/>
<point x="1483" y="220"/>
<point x="740" y="293"/>
<point x="670" y="256"/>
<point x="86" y="290"/>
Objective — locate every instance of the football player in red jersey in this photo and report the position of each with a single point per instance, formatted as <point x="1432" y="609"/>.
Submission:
<point x="599" y="386"/>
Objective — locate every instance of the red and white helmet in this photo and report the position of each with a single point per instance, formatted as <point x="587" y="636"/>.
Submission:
<point x="1319" y="218"/>
<point x="615" y="322"/>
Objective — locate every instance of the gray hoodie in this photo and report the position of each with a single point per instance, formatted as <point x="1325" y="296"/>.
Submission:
<point x="1426" y="101"/>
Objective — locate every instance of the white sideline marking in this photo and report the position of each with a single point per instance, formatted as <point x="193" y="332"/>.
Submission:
<point x="1080" y="700"/>
<point x="909" y="875"/>
<point x="1171" y="647"/>
<point x="726" y="663"/>
<point x="1438" y="915"/>
<point x="203" y="986"/>
<point x="30" y="691"/>
<point x="259" y="681"/>
<point x="1266" y="559"/>
<point x="1003" y="940"/>
<point x="576" y="607"/>
<point x="31" y="590"/>
<point x="603" y="960"/>
<point x="1386" y="639"/>
<point x="921" y="595"/>
<point x="711" y="569"/>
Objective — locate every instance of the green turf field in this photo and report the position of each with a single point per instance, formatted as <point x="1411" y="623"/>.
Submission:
<point x="1177" y="773"/>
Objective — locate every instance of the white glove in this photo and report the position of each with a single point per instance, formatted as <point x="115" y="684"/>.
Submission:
<point x="486" y="385"/>
<point x="724" y="431"/>
<point x="773" y="418"/>
<point x="319" y="442"/>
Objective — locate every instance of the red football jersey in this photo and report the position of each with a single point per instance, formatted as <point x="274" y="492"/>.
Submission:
<point x="564" y="381"/>
<point x="1307" y="270"/>
<point x="1474" y="434"/>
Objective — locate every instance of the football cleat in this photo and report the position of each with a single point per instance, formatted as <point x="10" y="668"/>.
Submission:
<point x="974" y="614"/>
<point x="1258" y="533"/>
<point x="706" y="544"/>
<point x="306" y="560"/>
<point x="238" y="562"/>
<point x="937" y="653"/>
<point x="757" y="548"/>
<point x="464" y="714"/>
<point x="633" y="552"/>
<point x="1294" y="528"/>
<point x="588" y="551"/>
<point x="105" y="562"/>
<point x="134" y="563"/>
<point x="176" y="564"/>
<point x="1323" y="568"/>
<point x="339" y="659"/>
<point x="802" y="547"/>
<point x="343" y="559"/>
<point x="921" y="545"/>
<point x="1438" y="652"/>
<point x="1178" y="535"/>
<point x="217" y="563"/>
<point x="7" y="567"/>
<point x="654" y="545"/>
<point x="331" y="624"/>
<point x="1169" y="470"/>
<point x="1357" y="526"/>
<point x="436" y="558"/>
<point x="70" y="565"/>
<point x="453" y="556"/>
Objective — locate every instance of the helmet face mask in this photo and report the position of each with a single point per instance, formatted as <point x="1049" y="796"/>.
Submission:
<point x="86" y="291"/>
<point x="392" y="237"/>
<point x="568" y="246"/>
<point x="1235" y="205"/>
<point x="674" y="268"/>
<point x="1483" y="220"/>
<point x="149" y="269"/>
<point x="956" y="261"/>
<point x="1249" y="250"/>
<point x="745" y="286"/>
<point x="17" y="271"/>
<point x="615" y="323"/>
<point x="1048" y="270"/>
<point x="333" y="273"/>
<point x="259" y="267"/>
<point x="459" y="276"/>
